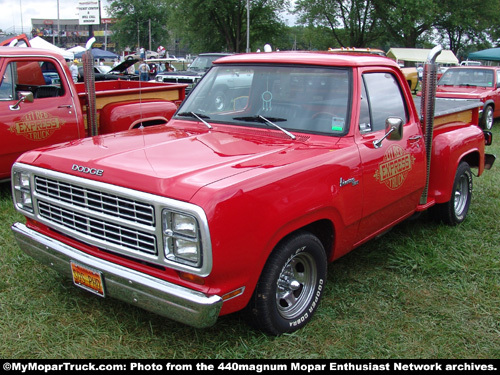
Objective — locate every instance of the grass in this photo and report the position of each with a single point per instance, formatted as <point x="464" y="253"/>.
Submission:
<point x="424" y="290"/>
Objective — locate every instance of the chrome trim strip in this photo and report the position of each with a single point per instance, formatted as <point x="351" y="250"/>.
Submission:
<point x="158" y="296"/>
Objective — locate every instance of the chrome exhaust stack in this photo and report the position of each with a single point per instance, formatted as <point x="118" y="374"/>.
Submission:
<point x="427" y="106"/>
<point x="89" y="79"/>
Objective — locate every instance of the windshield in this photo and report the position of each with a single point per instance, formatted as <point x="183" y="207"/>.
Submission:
<point x="467" y="77"/>
<point x="303" y="99"/>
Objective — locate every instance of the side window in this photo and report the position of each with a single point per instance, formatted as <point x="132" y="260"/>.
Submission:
<point x="381" y="98"/>
<point x="39" y="77"/>
<point x="365" y="123"/>
<point x="6" y="86"/>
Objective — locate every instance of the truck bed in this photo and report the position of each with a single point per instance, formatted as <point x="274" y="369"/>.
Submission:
<point x="452" y="110"/>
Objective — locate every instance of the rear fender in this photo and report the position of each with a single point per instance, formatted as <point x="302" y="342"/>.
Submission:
<point x="449" y="148"/>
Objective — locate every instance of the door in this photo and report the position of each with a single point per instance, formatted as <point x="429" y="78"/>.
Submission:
<point x="394" y="172"/>
<point x="48" y="119"/>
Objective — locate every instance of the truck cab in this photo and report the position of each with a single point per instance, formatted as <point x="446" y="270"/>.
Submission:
<point x="37" y="105"/>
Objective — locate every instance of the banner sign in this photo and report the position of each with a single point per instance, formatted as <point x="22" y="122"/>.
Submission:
<point x="89" y="12"/>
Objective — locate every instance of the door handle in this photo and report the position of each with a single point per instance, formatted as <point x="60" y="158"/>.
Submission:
<point x="65" y="106"/>
<point x="415" y="138"/>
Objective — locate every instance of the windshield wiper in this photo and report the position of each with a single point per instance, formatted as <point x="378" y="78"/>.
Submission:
<point x="268" y="121"/>
<point x="198" y="116"/>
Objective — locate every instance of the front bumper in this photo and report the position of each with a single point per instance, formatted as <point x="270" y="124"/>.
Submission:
<point x="159" y="296"/>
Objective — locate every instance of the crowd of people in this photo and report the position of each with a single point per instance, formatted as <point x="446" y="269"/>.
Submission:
<point x="147" y="70"/>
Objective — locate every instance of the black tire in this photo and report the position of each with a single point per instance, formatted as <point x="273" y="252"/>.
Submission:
<point x="291" y="285"/>
<point x="487" y="119"/>
<point x="455" y="210"/>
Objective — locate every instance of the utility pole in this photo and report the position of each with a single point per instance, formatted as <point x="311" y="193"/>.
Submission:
<point x="58" y="26"/>
<point x="248" y="26"/>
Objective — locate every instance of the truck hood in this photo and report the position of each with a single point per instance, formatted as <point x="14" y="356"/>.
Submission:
<point x="176" y="161"/>
<point x="462" y="92"/>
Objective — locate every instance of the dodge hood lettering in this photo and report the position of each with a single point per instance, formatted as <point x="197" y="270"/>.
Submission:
<point x="87" y="170"/>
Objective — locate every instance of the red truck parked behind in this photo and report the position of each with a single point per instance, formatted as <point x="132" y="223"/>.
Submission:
<point x="275" y="165"/>
<point x="474" y="82"/>
<point x="40" y="105"/>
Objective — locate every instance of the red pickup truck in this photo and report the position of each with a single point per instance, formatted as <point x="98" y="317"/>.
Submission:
<point x="474" y="82"/>
<point x="40" y="105"/>
<point x="275" y="165"/>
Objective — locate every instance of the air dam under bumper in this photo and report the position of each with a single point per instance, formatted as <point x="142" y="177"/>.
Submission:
<point x="159" y="296"/>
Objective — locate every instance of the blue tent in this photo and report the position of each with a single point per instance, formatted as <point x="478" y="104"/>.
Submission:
<point x="491" y="54"/>
<point x="98" y="54"/>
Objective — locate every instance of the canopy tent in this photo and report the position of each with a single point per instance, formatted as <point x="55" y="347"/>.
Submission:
<point x="38" y="42"/>
<point x="76" y="49"/>
<point x="98" y="54"/>
<point x="420" y="55"/>
<point x="491" y="54"/>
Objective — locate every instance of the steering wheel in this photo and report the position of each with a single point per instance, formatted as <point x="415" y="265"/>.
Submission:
<point x="323" y="114"/>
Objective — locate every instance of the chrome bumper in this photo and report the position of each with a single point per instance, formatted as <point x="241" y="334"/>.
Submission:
<point x="159" y="296"/>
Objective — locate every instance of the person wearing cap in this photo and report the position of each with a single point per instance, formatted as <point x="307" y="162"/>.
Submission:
<point x="74" y="70"/>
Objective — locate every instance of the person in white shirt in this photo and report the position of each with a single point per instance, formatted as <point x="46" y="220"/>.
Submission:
<point x="74" y="70"/>
<point x="144" y="71"/>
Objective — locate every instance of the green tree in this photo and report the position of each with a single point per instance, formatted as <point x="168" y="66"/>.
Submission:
<point x="139" y="23"/>
<point x="352" y="23"/>
<point x="407" y="21"/>
<point x="221" y="25"/>
<point x="463" y="24"/>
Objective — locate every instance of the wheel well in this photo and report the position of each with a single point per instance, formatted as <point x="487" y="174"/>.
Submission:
<point x="472" y="159"/>
<point x="323" y="230"/>
<point x="490" y="103"/>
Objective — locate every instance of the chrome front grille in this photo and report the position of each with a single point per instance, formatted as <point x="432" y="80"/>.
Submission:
<point x="99" y="229"/>
<point x="97" y="201"/>
<point x="115" y="222"/>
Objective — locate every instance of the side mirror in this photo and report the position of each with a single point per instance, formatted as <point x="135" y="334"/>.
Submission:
<point x="24" y="96"/>
<point x="393" y="131"/>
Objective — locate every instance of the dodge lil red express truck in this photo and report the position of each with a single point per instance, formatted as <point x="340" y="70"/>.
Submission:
<point x="275" y="165"/>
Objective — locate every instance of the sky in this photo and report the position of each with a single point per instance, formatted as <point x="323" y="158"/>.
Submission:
<point x="17" y="13"/>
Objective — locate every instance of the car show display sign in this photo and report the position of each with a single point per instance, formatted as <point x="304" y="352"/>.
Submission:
<point x="89" y="12"/>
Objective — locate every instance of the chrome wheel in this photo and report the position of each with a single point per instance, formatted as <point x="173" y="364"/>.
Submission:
<point x="290" y="286"/>
<point x="488" y="118"/>
<point x="296" y="286"/>
<point x="461" y="195"/>
<point x="455" y="210"/>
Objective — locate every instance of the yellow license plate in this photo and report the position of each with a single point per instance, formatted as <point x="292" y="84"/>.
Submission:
<point x="87" y="278"/>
